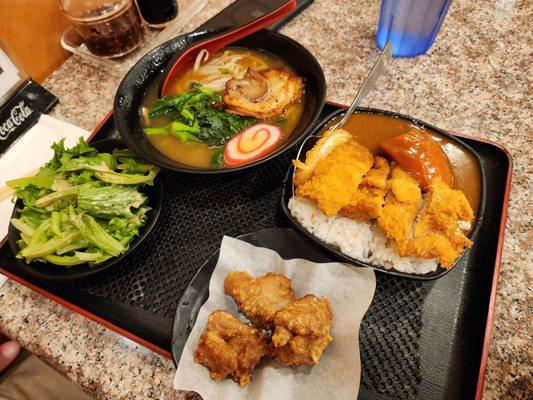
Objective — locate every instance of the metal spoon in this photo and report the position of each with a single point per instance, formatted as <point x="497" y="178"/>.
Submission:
<point x="378" y="69"/>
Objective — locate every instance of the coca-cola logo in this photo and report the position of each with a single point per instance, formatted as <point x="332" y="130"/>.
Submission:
<point x="17" y="116"/>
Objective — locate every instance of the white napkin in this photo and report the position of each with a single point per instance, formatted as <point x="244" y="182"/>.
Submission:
<point x="30" y="152"/>
<point x="336" y="376"/>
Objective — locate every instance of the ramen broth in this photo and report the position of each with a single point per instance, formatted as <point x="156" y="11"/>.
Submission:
<point x="373" y="129"/>
<point x="197" y="154"/>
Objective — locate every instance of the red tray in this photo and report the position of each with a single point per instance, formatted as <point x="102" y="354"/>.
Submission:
<point x="154" y="331"/>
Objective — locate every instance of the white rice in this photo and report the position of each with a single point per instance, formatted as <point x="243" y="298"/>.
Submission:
<point x="361" y="240"/>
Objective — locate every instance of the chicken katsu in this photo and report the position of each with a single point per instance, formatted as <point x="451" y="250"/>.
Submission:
<point x="401" y="208"/>
<point x="336" y="172"/>
<point x="367" y="201"/>
<point x="259" y="299"/>
<point x="230" y="347"/>
<point x="441" y="227"/>
<point x="402" y="213"/>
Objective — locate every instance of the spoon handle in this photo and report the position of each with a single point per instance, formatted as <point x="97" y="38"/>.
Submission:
<point x="218" y="42"/>
<point x="378" y="69"/>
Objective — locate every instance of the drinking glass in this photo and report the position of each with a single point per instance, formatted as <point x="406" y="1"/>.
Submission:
<point x="158" y="14"/>
<point x="410" y="25"/>
<point x="109" y="28"/>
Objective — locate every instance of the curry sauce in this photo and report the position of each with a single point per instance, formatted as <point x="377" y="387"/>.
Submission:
<point x="373" y="129"/>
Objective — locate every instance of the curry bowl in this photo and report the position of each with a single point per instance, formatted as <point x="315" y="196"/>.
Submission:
<point x="144" y="78"/>
<point x="472" y="183"/>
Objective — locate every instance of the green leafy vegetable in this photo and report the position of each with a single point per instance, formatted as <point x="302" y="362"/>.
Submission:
<point x="41" y="249"/>
<point x="197" y="116"/>
<point x="37" y="181"/>
<point x="99" y="162"/>
<point x="51" y="197"/>
<point x="127" y="179"/>
<point x="65" y="261"/>
<point x="23" y="227"/>
<point x="95" y="234"/>
<point x="83" y="206"/>
<point x="109" y="201"/>
<point x="217" y="127"/>
<point x="80" y="177"/>
<point x="216" y="159"/>
<point x="55" y="224"/>
<point x="177" y="129"/>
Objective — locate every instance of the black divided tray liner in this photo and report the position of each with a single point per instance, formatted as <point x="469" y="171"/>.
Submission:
<point x="418" y="339"/>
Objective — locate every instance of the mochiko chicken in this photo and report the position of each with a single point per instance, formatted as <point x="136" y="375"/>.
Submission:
<point x="301" y="331"/>
<point x="259" y="299"/>
<point x="230" y="347"/>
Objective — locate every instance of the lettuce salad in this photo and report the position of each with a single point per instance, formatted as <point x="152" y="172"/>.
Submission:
<point x="83" y="206"/>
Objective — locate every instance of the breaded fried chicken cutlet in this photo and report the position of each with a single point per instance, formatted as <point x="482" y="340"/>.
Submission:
<point x="402" y="204"/>
<point x="259" y="298"/>
<point x="367" y="201"/>
<point x="230" y="347"/>
<point x="440" y="230"/>
<point x="332" y="171"/>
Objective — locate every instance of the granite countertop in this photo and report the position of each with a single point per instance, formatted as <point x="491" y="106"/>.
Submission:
<point x="474" y="80"/>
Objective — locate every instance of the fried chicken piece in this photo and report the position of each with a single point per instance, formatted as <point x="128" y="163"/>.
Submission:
<point x="442" y="224"/>
<point x="301" y="331"/>
<point x="322" y="148"/>
<point x="334" y="169"/>
<point x="367" y="201"/>
<point x="230" y="347"/>
<point x="259" y="298"/>
<point x="401" y="208"/>
<point x="263" y="94"/>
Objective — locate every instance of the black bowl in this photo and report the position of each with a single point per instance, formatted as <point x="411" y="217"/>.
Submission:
<point x="148" y="70"/>
<point x="53" y="272"/>
<point x="288" y="191"/>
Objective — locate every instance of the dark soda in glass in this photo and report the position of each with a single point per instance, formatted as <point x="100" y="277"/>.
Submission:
<point x="158" y="13"/>
<point x="109" y="28"/>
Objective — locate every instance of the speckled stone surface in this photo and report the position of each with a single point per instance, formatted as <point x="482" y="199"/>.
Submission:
<point x="476" y="80"/>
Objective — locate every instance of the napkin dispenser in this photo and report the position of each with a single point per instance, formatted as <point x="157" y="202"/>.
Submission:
<point x="22" y="100"/>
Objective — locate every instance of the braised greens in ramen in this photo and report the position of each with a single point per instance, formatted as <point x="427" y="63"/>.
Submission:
<point x="226" y="110"/>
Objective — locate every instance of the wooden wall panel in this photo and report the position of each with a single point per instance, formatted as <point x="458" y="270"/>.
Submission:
<point x="32" y="29"/>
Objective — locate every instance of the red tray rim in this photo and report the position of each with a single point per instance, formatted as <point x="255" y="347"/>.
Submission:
<point x="167" y="354"/>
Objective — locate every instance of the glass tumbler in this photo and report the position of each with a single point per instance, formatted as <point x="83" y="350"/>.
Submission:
<point x="109" y="28"/>
<point x="410" y="25"/>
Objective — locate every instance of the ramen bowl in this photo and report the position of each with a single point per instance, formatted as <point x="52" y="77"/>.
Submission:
<point x="145" y="76"/>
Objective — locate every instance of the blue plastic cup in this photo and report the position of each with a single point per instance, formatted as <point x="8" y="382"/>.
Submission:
<point x="410" y="25"/>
